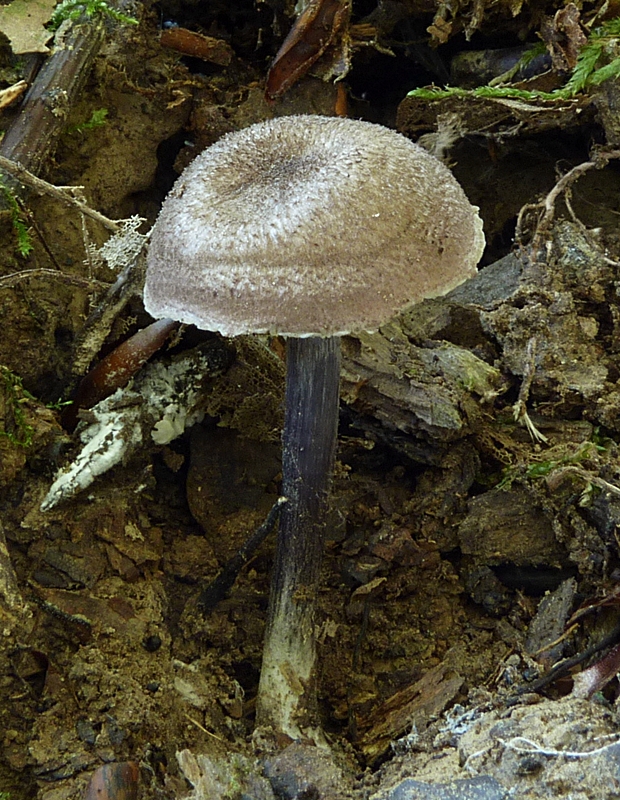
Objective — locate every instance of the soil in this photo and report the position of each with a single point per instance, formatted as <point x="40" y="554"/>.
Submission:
<point x="473" y="537"/>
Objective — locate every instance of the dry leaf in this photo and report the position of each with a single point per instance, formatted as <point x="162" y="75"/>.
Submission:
<point x="321" y="24"/>
<point x="564" y="37"/>
<point x="23" y="20"/>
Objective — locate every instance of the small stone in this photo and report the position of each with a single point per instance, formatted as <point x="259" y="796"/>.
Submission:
<point x="482" y="787"/>
<point x="152" y="643"/>
<point x="308" y="772"/>
<point x="361" y="570"/>
<point x="86" y="731"/>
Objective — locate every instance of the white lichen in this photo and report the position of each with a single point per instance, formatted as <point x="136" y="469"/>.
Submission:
<point x="120" y="249"/>
<point x="159" y="405"/>
<point x="106" y="440"/>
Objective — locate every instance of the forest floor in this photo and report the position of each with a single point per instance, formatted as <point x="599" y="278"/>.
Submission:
<point x="469" y="613"/>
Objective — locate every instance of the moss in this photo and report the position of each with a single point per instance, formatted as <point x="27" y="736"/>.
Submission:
<point x="24" y="240"/>
<point x="75" y="9"/>
<point x="595" y="64"/>
<point x="16" y="429"/>
<point x="97" y="120"/>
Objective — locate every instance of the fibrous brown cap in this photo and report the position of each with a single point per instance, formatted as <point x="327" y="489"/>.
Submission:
<point x="309" y="225"/>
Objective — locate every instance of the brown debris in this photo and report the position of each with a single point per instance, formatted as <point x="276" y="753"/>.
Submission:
<point x="197" y="45"/>
<point x="322" y="24"/>
<point x="33" y="135"/>
<point x="508" y="527"/>
<point x="412" y="707"/>
<point x="564" y="37"/>
<point x="115" y="781"/>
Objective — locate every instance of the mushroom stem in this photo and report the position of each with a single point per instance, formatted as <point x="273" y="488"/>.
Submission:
<point x="287" y="692"/>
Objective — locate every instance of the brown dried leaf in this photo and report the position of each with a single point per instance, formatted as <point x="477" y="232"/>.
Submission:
<point x="440" y="30"/>
<point x="321" y="24"/>
<point x="23" y="20"/>
<point x="564" y="37"/>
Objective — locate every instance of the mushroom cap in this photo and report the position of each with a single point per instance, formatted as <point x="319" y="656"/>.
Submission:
<point x="309" y="225"/>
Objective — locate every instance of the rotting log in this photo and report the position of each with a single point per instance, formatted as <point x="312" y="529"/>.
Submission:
<point x="31" y="136"/>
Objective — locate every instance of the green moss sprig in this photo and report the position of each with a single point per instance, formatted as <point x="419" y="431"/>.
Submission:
<point x="22" y="232"/>
<point x="98" y="119"/>
<point x="74" y="9"/>
<point x="20" y="432"/>
<point x="434" y="93"/>
<point x="589" y="71"/>
<point x="540" y="469"/>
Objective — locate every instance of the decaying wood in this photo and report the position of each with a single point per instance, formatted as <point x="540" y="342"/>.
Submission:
<point x="427" y="390"/>
<point x="412" y="707"/>
<point x="191" y="43"/>
<point x="502" y="117"/>
<point x="507" y="527"/>
<point x="30" y="139"/>
<point x="14" y="612"/>
<point x="545" y="641"/>
<point x="99" y="323"/>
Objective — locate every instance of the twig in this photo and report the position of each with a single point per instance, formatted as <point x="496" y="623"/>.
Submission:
<point x="39" y="233"/>
<point x="202" y="728"/>
<point x="563" y="667"/>
<point x="560" y="639"/>
<point x="8" y="281"/>
<point x="59" y="193"/>
<point x="569" y="205"/>
<point x="218" y="588"/>
<point x="556" y="477"/>
<point x="596" y="480"/>
<point x="561" y="186"/>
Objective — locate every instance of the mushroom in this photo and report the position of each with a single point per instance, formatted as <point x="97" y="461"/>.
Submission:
<point x="311" y="228"/>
